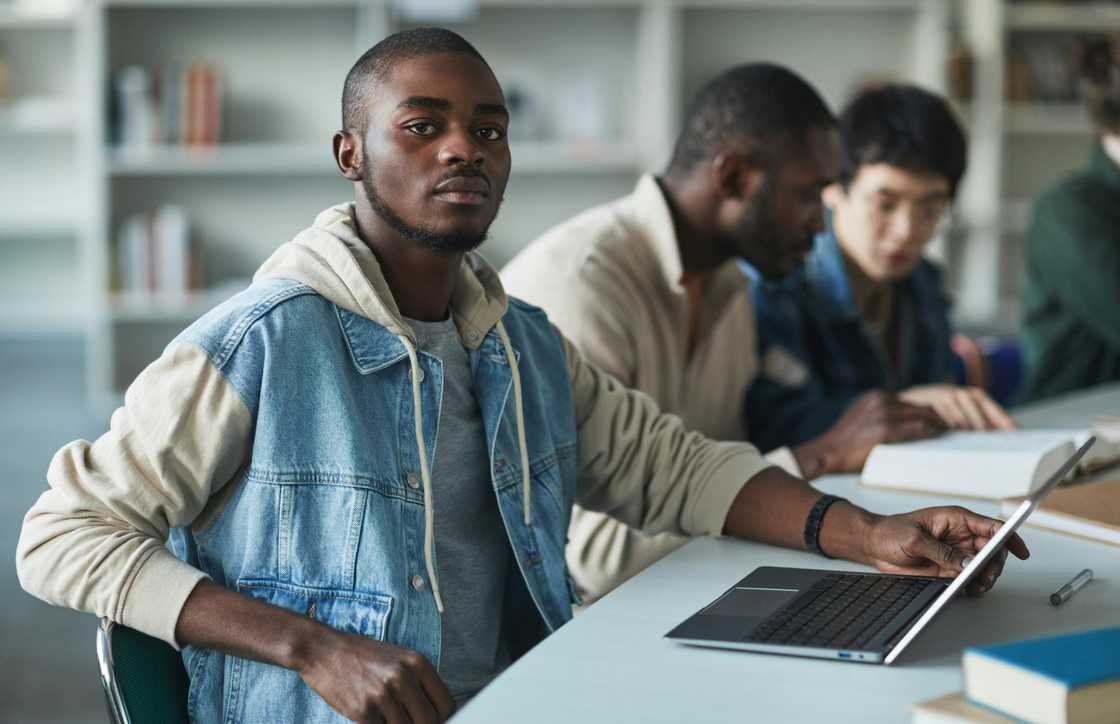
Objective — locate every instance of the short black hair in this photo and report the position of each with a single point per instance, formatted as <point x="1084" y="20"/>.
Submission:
<point x="375" y="64"/>
<point x="1100" y="82"/>
<point x="759" y="102"/>
<point x="904" y="126"/>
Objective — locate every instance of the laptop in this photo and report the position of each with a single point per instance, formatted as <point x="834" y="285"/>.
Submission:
<point x="867" y="617"/>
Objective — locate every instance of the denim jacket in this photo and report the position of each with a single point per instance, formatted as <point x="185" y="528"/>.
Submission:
<point x="282" y="444"/>
<point x="818" y="354"/>
<point x="325" y="523"/>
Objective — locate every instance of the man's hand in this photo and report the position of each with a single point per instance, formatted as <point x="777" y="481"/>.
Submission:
<point x="874" y="417"/>
<point x="363" y="679"/>
<point x="370" y="681"/>
<point x="937" y="542"/>
<point x="962" y="408"/>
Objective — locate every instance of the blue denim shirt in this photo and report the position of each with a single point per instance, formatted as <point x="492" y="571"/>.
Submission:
<point x="817" y="353"/>
<point x="322" y="520"/>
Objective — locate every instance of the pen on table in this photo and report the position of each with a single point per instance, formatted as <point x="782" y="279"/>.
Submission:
<point x="1062" y="595"/>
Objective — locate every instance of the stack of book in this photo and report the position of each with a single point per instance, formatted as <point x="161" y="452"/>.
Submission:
<point x="155" y="254"/>
<point x="1068" y="679"/>
<point x="175" y="106"/>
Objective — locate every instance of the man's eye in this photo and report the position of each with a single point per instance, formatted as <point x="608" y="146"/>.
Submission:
<point x="491" y="133"/>
<point x="931" y="212"/>
<point x="422" y="128"/>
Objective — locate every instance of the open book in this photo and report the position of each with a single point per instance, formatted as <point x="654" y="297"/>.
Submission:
<point x="996" y="464"/>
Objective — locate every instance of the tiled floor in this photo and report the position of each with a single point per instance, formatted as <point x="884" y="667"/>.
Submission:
<point x="48" y="669"/>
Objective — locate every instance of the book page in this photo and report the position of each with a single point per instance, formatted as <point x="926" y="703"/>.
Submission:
<point x="1004" y="441"/>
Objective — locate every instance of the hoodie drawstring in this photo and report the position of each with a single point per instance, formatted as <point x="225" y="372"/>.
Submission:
<point x="425" y="475"/>
<point x="523" y="448"/>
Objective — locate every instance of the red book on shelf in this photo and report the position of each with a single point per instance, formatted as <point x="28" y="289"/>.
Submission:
<point x="205" y="102"/>
<point x="194" y="105"/>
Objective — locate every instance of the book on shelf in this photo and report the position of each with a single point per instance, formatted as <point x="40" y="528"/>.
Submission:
<point x="203" y="105"/>
<point x="954" y="709"/>
<point x="1065" y="679"/>
<point x="136" y="120"/>
<point x="1087" y="510"/>
<point x="155" y="254"/>
<point x="986" y="464"/>
<point x="175" y="106"/>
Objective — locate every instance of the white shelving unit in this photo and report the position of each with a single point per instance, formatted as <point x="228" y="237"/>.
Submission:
<point x="26" y="15"/>
<point x="44" y="206"/>
<point x="1047" y="119"/>
<point x="229" y="159"/>
<point x="602" y="84"/>
<point x="1016" y="151"/>
<point x="1094" y="17"/>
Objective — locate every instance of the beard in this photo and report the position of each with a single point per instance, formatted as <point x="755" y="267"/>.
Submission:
<point x="425" y="237"/>
<point x="760" y="238"/>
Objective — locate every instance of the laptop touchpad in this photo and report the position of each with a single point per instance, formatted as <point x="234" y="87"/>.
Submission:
<point x="751" y="601"/>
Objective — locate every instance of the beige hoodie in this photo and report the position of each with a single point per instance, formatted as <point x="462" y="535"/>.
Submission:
<point x="94" y="540"/>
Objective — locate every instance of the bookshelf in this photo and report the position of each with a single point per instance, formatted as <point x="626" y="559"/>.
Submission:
<point x="43" y="209"/>
<point x="1019" y="145"/>
<point x="1043" y="119"/>
<point x="32" y="16"/>
<point x="601" y="86"/>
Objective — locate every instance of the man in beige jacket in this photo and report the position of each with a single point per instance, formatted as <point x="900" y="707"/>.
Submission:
<point x="365" y="462"/>
<point x="649" y="288"/>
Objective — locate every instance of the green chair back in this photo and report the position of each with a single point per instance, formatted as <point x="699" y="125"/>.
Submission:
<point x="143" y="678"/>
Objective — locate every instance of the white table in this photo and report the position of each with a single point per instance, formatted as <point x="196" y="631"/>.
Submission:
<point x="612" y="664"/>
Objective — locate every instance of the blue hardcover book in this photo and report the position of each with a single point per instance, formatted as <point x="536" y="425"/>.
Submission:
<point x="1068" y="679"/>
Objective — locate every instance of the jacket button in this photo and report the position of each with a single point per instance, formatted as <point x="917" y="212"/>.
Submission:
<point x="413" y="481"/>
<point x="419" y="373"/>
<point x="472" y="335"/>
<point x="418" y="582"/>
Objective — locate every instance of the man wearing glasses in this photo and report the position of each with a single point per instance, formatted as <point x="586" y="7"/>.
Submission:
<point x="866" y="311"/>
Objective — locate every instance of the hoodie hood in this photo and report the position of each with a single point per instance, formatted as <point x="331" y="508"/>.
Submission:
<point x="333" y="260"/>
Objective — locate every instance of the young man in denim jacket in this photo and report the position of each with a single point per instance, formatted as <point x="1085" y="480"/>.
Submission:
<point x="365" y="462"/>
<point x="866" y="311"/>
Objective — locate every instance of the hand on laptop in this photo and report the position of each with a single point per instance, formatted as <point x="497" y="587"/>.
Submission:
<point x="962" y="408"/>
<point x="874" y="417"/>
<point x="938" y="542"/>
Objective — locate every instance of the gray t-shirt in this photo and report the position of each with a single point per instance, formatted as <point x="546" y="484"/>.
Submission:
<point x="472" y="551"/>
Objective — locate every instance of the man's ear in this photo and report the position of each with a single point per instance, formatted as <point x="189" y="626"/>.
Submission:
<point x="833" y="195"/>
<point x="348" y="154"/>
<point x="737" y="174"/>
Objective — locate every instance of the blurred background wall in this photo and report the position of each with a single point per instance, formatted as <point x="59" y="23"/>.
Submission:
<point x="154" y="152"/>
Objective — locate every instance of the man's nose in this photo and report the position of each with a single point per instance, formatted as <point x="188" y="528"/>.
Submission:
<point x="461" y="147"/>
<point x="902" y="226"/>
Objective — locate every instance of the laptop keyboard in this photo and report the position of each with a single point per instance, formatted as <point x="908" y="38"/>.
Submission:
<point x="839" y="611"/>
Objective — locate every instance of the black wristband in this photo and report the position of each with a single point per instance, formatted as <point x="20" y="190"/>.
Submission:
<point x="814" y="521"/>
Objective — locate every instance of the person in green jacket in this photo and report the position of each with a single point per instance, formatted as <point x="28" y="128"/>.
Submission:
<point x="1071" y="301"/>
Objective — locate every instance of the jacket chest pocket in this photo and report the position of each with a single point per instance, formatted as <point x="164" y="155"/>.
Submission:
<point x="320" y="527"/>
<point x="261" y="692"/>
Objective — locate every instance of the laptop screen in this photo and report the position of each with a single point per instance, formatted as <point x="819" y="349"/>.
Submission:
<point x="994" y="545"/>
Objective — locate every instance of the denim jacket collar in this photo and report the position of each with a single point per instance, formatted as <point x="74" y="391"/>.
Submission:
<point x="827" y="276"/>
<point x="372" y="346"/>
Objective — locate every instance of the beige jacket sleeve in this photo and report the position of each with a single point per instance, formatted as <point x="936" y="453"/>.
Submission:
<point x="643" y="467"/>
<point x="94" y="541"/>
